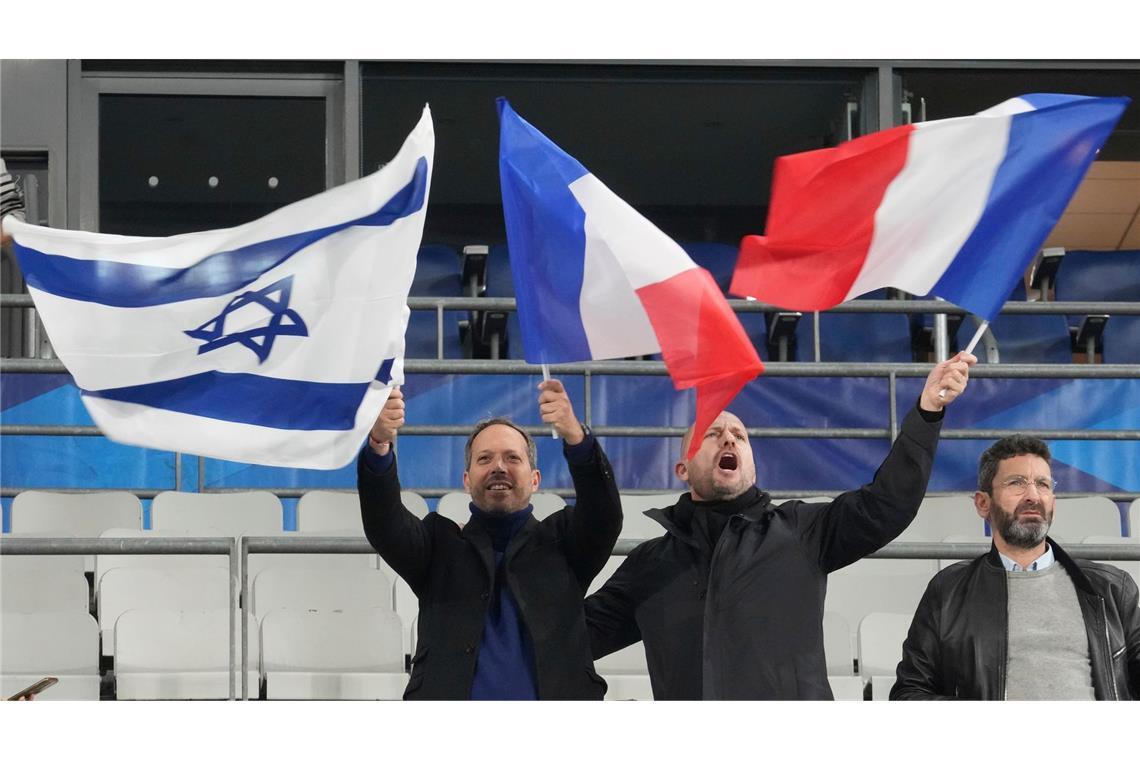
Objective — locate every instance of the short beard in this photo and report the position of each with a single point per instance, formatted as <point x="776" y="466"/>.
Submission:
<point x="1019" y="534"/>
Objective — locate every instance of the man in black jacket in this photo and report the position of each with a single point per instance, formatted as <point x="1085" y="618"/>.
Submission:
<point x="729" y="602"/>
<point x="500" y="598"/>
<point x="1024" y="621"/>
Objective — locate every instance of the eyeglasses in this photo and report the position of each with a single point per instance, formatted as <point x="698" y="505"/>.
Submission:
<point x="1019" y="485"/>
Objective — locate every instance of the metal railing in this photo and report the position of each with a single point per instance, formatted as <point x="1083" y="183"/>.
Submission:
<point x="240" y="549"/>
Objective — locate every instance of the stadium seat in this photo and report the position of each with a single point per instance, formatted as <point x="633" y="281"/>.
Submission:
<point x="500" y="284"/>
<point x="60" y="644"/>
<point x="107" y="562"/>
<point x="319" y="589"/>
<point x="846" y="688"/>
<point x="837" y="645"/>
<point x="177" y="654"/>
<point x="437" y="275"/>
<point x="44" y="591"/>
<point x="1028" y="338"/>
<point x="407" y="606"/>
<point x="877" y="585"/>
<point x="1134" y="518"/>
<point x="881" y="637"/>
<point x="1132" y="567"/>
<point x="148" y="588"/>
<point x="941" y="516"/>
<point x="626" y="673"/>
<point x="341" y="654"/>
<point x="635" y="524"/>
<point x="260" y="561"/>
<point x="604" y="574"/>
<point x="1105" y="276"/>
<point x="35" y="563"/>
<point x="74" y="515"/>
<point x="250" y="513"/>
<point x="1075" y="518"/>
<point x="871" y="337"/>
<point x="319" y="511"/>
<point x="718" y="258"/>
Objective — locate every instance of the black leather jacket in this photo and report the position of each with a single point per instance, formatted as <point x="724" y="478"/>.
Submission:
<point x="956" y="647"/>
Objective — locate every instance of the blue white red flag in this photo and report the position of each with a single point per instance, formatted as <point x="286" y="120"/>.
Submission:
<point x="955" y="207"/>
<point x="275" y="342"/>
<point x="596" y="280"/>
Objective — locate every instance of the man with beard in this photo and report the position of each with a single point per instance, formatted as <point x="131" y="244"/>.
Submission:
<point x="729" y="602"/>
<point x="500" y="598"/>
<point x="1025" y="621"/>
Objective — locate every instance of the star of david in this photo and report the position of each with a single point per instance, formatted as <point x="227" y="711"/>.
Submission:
<point x="284" y="321"/>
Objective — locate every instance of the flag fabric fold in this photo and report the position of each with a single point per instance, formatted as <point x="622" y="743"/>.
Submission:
<point x="596" y="280"/>
<point x="275" y="342"/>
<point x="955" y="207"/>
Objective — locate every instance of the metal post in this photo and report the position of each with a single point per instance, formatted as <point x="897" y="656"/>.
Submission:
<point x="178" y="471"/>
<point x="941" y="337"/>
<point x="201" y="474"/>
<point x="234" y="601"/>
<point x="815" y="332"/>
<point x="892" y="390"/>
<point x="588" y="412"/>
<point x="439" y="331"/>
<point x="243" y="604"/>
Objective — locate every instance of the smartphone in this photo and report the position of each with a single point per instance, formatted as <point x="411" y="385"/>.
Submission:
<point x="35" y="688"/>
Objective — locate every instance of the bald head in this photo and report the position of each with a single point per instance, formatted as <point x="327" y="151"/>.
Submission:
<point x="723" y="467"/>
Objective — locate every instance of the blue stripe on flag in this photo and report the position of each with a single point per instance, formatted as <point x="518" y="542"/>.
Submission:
<point x="1048" y="153"/>
<point x="233" y="397"/>
<point x="547" y="240"/>
<point x="125" y="285"/>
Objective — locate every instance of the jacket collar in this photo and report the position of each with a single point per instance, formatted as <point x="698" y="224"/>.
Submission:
<point x="993" y="560"/>
<point x="677" y="519"/>
<point x="476" y="532"/>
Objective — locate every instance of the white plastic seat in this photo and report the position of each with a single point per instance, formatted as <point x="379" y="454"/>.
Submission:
<point x="36" y="563"/>
<point x="940" y="516"/>
<point x="60" y="644"/>
<point x="407" y="606"/>
<point x="74" y="515"/>
<point x="146" y="588"/>
<point x="846" y="688"/>
<point x="634" y="522"/>
<point x="106" y="562"/>
<point x="1075" y="518"/>
<point x="881" y="637"/>
<point x="320" y="511"/>
<point x="261" y="561"/>
<point x="250" y="513"/>
<point x="319" y="589"/>
<point x="177" y="654"/>
<point x="44" y="591"/>
<point x="837" y="645"/>
<point x="608" y="569"/>
<point x="877" y="585"/>
<point x="1134" y="518"/>
<point x="341" y="654"/>
<point x="1132" y="567"/>
<point x="627" y="673"/>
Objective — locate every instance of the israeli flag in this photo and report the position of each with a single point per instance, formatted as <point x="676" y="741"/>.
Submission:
<point x="275" y="342"/>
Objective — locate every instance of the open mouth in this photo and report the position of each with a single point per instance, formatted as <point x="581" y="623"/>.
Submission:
<point x="727" y="461"/>
<point x="499" y="485"/>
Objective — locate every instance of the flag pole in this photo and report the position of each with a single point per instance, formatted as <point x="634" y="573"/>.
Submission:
<point x="970" y="348"/>
<point x="546" y="376"/>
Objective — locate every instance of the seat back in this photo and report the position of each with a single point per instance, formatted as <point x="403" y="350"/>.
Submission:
<point x="348" y="640"/>
<point x="107" y="562"/>
<point x="49" y="643"/>
<point x="1077" y="517"/>
<point x="837" y="645"/>
<point x="319" y="589"/>
<point x="1132" y="567"/>
<point x="336" y="510"/>
<point x="635" y="524"/>
<point x="941" y="516"/>
<point x="43" y="591"/>
<point x="151" y="588"/>
<point x="83" y="515"/>
<point x="250" y="513"/>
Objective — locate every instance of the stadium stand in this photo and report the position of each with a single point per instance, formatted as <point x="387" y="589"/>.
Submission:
<point x="872" y="337"/>
<point x="319" y="511"/>
<point x="60" y="644"/>
<point x="877" y="585"/>
<point x="319" y="589"/>
<point x="1105" y="276"/>
<point x="941" y="516"/>
<point x="1029" y="338"/>
<point x="148" y="588"/>
<point x="1075" y="518"/>
<point x="501" y="285"/>
<point x="78" y="515"/>
<point x="107" y="562"/>
<point x="252" y="513"/>
<point x="437" y="275"/>
<point x="332" y="654"/>
<point x="44" y="591"/>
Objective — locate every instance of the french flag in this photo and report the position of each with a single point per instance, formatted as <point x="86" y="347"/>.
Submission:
<point x="955" y="208"/>
<point x="596" y="280"/>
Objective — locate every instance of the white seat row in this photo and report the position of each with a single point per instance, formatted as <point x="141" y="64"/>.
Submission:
<point x="60" y="644"/>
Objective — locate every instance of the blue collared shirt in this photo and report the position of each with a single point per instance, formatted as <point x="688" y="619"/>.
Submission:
<point x="1041" y="563"/>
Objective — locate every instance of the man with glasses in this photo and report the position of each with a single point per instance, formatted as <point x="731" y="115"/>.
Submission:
<point x="1026" y="620"/>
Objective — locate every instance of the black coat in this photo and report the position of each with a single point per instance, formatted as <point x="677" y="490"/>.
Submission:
<point x="548" y="566"/>
<point x="956" y="646"/>
<point x="747" y="621"/>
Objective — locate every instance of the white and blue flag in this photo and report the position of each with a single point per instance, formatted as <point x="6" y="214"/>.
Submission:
<point x="275" y="342"/>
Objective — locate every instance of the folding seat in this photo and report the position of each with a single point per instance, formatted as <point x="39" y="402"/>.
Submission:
<point x="148" y="588"/>
<point x="61" y="644"/>
<point x="407" y="606"/>
<point x="44" y="591"/>
<point x="877" y="585"/>
<point x="1132" y="567"/>
<point x="500" y="284"/>
<point x="881" y="637"/>
<point x="250" y="513"/>
<point x="627" y="673"/>
<point x="1105" y="276"/>
<point x="341" y="654"/>
<point x="437" y="275"/>
<point x="635" y="524"/>
<point x="1076" y="517"/>
<point x="35" y="563"/>
<point x="1029" y="338"/>
<point x="74" y="515"/>
<point x="178" y="653"/>
<point x="941" y="516"/>
<point x="455" y="505"/>
<point x="837" y="645"/>
<point x="319" y="589"/>
<point x="107" y="562"/>
<point x="340" y="511"/>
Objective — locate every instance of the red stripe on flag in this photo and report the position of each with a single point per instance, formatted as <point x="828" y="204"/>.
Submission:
<point x="701" y="341"/>
<point x="820" y="222"/>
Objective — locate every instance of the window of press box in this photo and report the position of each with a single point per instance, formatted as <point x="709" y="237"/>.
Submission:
<point x="689" y="146"/>
<point x="170" y="164"/>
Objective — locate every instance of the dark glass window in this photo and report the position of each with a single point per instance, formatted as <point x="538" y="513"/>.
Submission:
<point x="170" y="164"/>
<point x="691" y="147"/>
